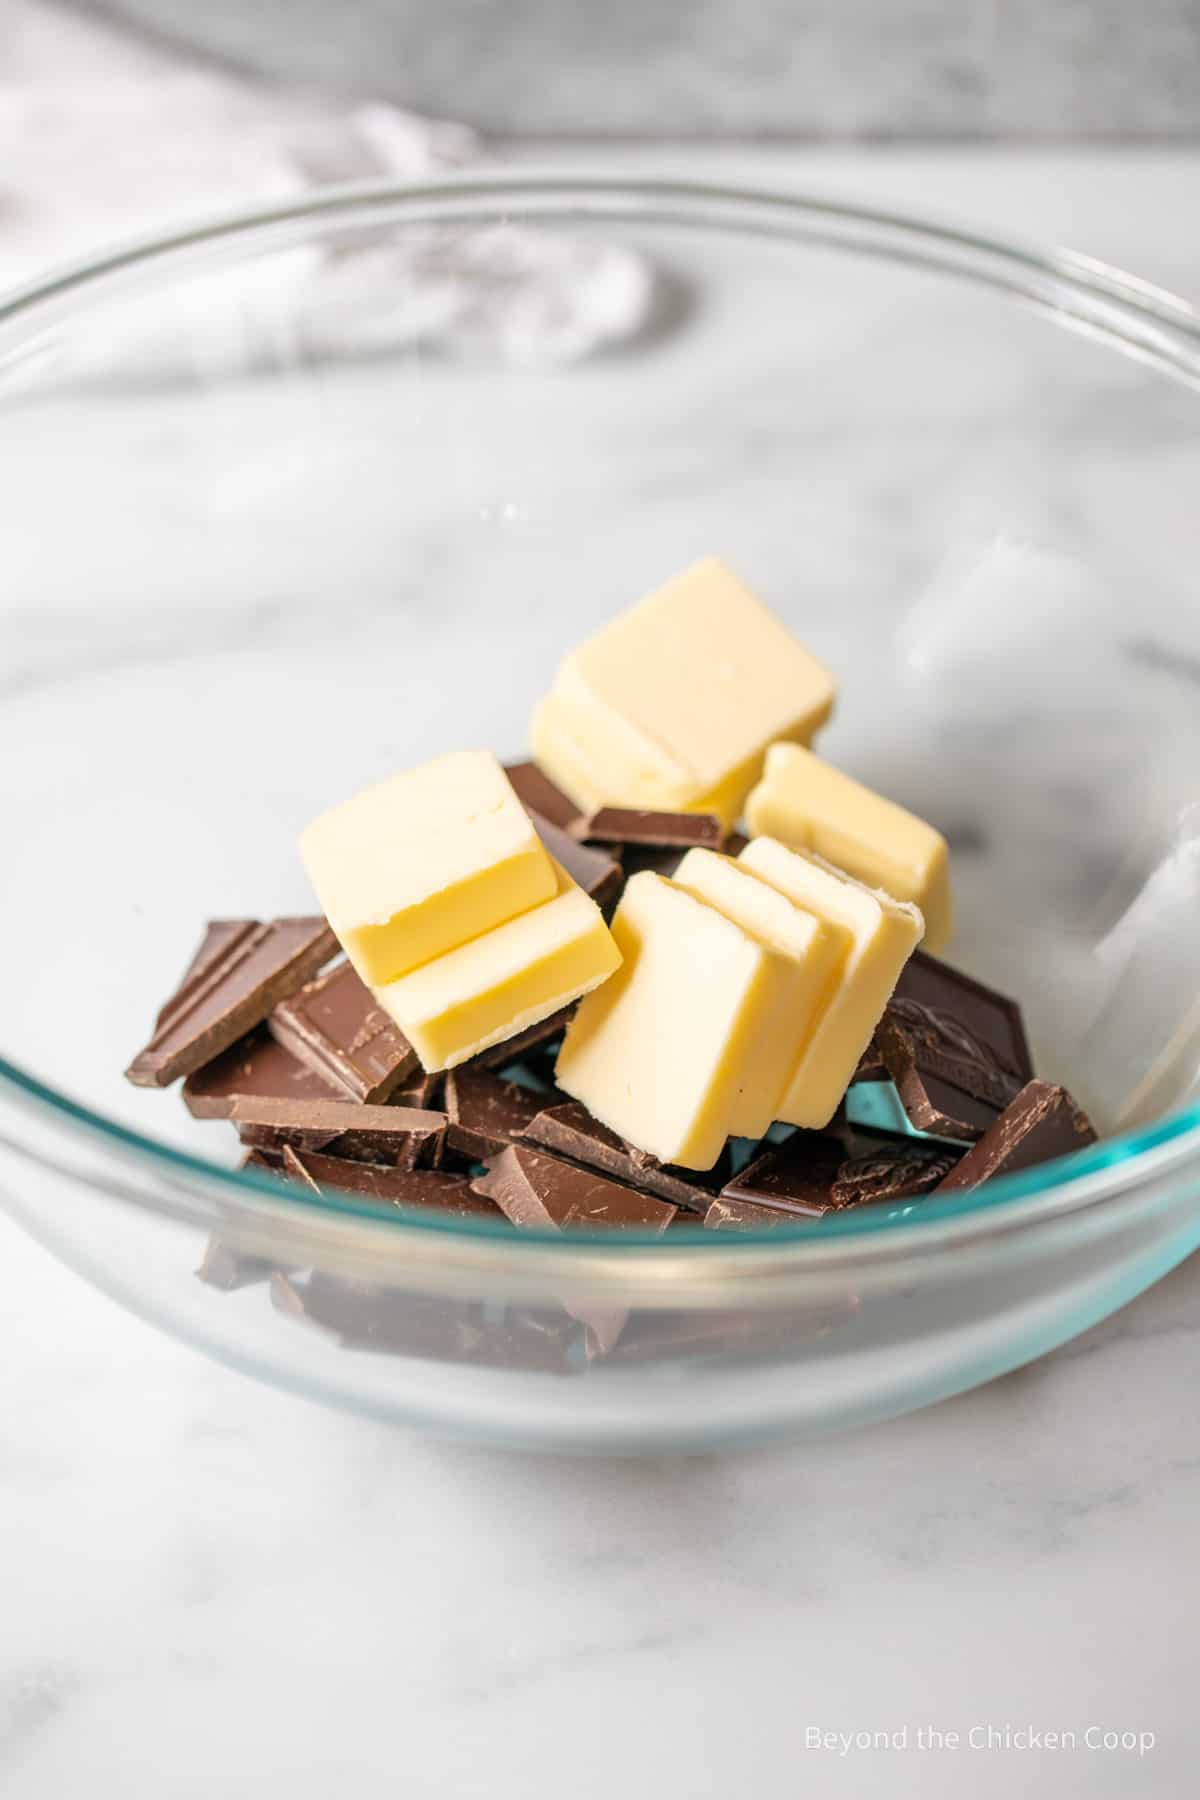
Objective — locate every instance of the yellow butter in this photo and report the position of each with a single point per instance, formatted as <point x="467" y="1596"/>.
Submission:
<point x="813" y="952"/>
<point x="809" y="805"/>
<point x="673" y="704"/>
<point x="883" y="932"/>
<point x="664" y="1052"/>
<point x="424" y="861"/>
<point x="496" y="985"/>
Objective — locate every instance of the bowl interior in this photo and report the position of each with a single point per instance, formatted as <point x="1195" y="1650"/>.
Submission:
<point x="269" y="534"/>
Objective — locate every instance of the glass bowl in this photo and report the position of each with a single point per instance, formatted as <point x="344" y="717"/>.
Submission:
<point x="271" y="531"/>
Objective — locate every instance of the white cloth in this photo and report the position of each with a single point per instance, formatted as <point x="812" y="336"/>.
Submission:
<point x="103" y="140"/>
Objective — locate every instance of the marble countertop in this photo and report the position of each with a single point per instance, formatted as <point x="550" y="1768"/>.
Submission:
<point x="211" y="1588"/>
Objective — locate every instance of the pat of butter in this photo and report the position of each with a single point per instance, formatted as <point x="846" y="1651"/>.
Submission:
<point x="690" y="1022"/>
<point x="884" y="933"/>
<point x="673" y="704"/>
<point x="485" y="991"/>
<point x="813" y="952"/>
<point x="811" y="806"/>
<point x="424" y="861"/>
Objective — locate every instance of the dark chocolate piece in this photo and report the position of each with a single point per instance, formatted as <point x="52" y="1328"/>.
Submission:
<point x="735" y="843"/>
<point x="990" y="1019"/>
<point x="404" y="1137"/>
<point x="727" y="1214"/>
<point x="255" y="1067"/>
<point x="234" y="991"/>
<point x="498" y="1056"/>
<point x="221" y="937"/>
<point x="597" y="874"/>
<point x="812" y="1174"/>
<point x="486" y="1113"/>
<point x="425" y="1091"/>
<point x="949" y="1082"/>
<point x="543" y="1192"/>
<point x="571" y="1131"/>
<point x="537" y="793"/>
<point x="336" y="1027"/>
<point x="389" y="1186"/>
<point x="655" y="830"/>
<point x="363" y="1317"/>
<point x="1041" y="1123"/>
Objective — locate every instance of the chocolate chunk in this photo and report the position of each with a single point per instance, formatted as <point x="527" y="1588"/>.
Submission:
<point x="812" y="1174"/>
<point x="360" y="1316"/>
<point x="335" y="1026"/>
<point x="949" y="1082"/>
<point x="1041" y="1123"/>
<point x="726" y="1214"/>
<point x="234" y="991"/>
<point x="404" y="1137"/>
<point x="256" y="1067"/>
<point x="571" y="1131"/>
<point x="596" y="873"/>
<point x="735" y="843"/>
<point x="390" y="1186"/>
<point x="543" y="1192"/>
<point x="990" y="1018"/>
<point x="424" y="1092"/>
<point x="498" y="1056"/>
<point x="486" y="1113"/>
<point x="537" y="793"/>
<point x="655" y="830"/>
<point x="221" y="937"/>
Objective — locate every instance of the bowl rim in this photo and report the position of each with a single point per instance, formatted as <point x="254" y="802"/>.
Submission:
<point x="1135" y="317"/>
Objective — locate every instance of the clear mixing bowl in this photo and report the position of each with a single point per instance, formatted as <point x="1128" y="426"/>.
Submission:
<point x="267" y="535"/>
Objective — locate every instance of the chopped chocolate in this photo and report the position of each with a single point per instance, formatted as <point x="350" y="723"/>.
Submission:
<point x="541" y="1191"/>
<point x="727" y="1214"/>
<point x="812" y="1174"/>
<point x="335" y="1026"/>
<point x="735" y="843"/>
<point x="498" y="1056"/>
<point x="571" y="1131"/>
<point x="1041" y="1123"/>
<point x="404" y="1137"/>
<point x="236" y="988"/>
<point x="598" y="874"/>
<point x="486" y="1113"/>
<point x="221" y="937"/>
<point x="537" y="793"/>
<point x="390" y="1186"/>
<point x="949" y="1082"/>
<point x="256" y="1067"/>
<point x="991" y="1019"/>
<point x="655" y="830"/>
<point x="424" y="1092"/>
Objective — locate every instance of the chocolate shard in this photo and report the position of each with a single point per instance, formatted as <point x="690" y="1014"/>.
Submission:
<point x="813" y="1173"/>
<point x="389" y="1186"/>
<point x="335" y="1026"/>
<point x="735" y="843"/>
<point x="537" y="793"/>
<point x="599" y="875"/>
<point x="498" y="1056"/>
<point x="950" y="1082"/>
<point x="423" y="1091"/>
<point x="221" y="937"/>
<point x="233" y="992"/>
<point x="543" y="1192"/>
<point x="989" y="1019"/>
<point x="255" y="1067"/>
<point x="655" y="830"/>
<point x="570" y="1130"/>
<point x="1042" y="1122"/>
<point x="404" y="1137"/>
<point x="486" y="1112"/>
<point x="727" y="1214"/>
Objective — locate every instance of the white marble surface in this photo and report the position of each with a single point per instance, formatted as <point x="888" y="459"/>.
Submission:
<point x="210" y="1588"/>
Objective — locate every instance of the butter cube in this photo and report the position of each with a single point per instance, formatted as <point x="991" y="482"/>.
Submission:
<point x="487" y="990"/>
<point x="814" y="952"/>
<point x="809" y="805"/>
<point x="423" y="862"/>
<point x="691" y="1022"/>
<point x="884" y="933"/>
<point x="673" y="704"/>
